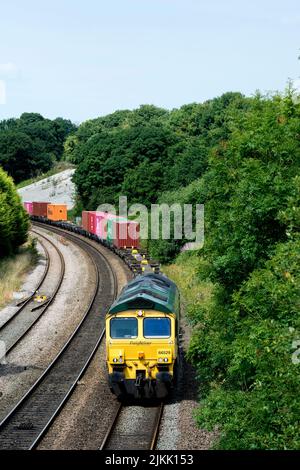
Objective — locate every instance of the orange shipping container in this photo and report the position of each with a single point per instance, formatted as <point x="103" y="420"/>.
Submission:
<point x="57" y="212"/>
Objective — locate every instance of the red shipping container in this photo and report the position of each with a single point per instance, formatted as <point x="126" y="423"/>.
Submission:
<point x="91" y="221"/>
<point x="85" y="220"/>
<point x="97" y="223"/>
<point x="40" y="209"/>
<point x="126" y="234"/>
<point x="28" y="206"/>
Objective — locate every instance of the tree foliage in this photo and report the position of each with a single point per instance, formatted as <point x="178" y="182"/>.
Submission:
<point x="144" y="152"/>
<point x="243" y="345"/>
<point x="14" y="221"/>
<point x="31" y="144"/>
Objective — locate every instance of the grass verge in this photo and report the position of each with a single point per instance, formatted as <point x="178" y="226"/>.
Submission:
<point x="14" y="269"/>
<point x="196" y="292"/>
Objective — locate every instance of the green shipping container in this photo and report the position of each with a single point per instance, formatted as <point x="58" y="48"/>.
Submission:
<point x="110" y="227"/>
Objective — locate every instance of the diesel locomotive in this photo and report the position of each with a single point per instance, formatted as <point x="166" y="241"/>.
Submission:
<point x="142" y="330"/>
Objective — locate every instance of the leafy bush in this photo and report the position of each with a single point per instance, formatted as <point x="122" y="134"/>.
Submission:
<point x="253" y="380"/>
<point x="244" y="343"/>
<point x="246" y="187"/>
<point x="14" y="221"/>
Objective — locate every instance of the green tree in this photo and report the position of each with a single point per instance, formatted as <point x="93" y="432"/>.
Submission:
<point x="242" y="346"/>
<point x="32" y="144"/>
<point x="14" y="222"/>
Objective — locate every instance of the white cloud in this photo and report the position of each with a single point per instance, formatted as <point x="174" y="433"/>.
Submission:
<point x="8" y="70"/>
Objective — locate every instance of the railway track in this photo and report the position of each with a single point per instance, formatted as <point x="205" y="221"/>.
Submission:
<point x="134" y="428"/>
<point x="29" y="420"/>
<point x="21" y="322"/>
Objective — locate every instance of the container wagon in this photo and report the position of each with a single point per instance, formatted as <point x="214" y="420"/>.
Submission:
<point x="39" y="209"/>
<point x="57" y="212"/>
<point x="95" y="222"/>
<point x="28" y="206"/>
<point x="117" y="230"/>
<point x="85" y="220"/>
<point x="124" y="233"/>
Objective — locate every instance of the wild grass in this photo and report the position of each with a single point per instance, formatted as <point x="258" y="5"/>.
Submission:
<point x="14" y="269"/>
<point x="188" y="272"/>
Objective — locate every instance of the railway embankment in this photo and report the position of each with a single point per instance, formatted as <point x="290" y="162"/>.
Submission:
<point x="18" y="275"/>
<point x="85" y="418"/>
<point x="34" y="352"/>
<point x="178" y="427"/>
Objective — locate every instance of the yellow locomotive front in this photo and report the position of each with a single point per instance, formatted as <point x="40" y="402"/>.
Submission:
<point x="141" y="338"/>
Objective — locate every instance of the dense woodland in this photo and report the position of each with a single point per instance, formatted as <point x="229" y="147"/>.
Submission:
<point x="32" y="144"/>
<point x="240" y="157"/>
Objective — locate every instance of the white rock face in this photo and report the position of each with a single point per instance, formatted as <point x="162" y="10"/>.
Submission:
<point x="57" y="189"/>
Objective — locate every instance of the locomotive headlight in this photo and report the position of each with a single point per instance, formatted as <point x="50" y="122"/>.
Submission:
<point x="117" y="356"/>
<point x="163" y="359"/>
<point x="116" y="359"/>
<point x="164" y="355"/>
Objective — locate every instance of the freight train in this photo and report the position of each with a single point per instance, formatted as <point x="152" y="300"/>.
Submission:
<point x="142" y="325"/>
<point x="142" y="331"/>
<point x="118" y="231"/>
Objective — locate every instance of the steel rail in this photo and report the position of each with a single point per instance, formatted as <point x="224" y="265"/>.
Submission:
<point x="157" y="426"/>
<point x="41" y="404"/>
<point x="153" y="435"/>
<point x="28" y="299"/>
<point x="43" y="307"/>
<point x="135" y="436"/>
<point x="111" y="427"/>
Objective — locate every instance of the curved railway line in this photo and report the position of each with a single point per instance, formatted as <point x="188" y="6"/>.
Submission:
<point x="140" y="432"/>
<point x="21" y="322"/>
<point x="132" y="427"/>
<point x="28" y="421"/>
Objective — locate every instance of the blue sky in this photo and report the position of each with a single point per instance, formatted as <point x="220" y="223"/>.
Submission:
<point x="82" y="59"/>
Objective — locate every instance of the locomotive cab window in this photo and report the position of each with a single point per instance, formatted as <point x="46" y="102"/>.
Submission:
<point x="123" y="328"/>
<point x="159" y="327"/>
